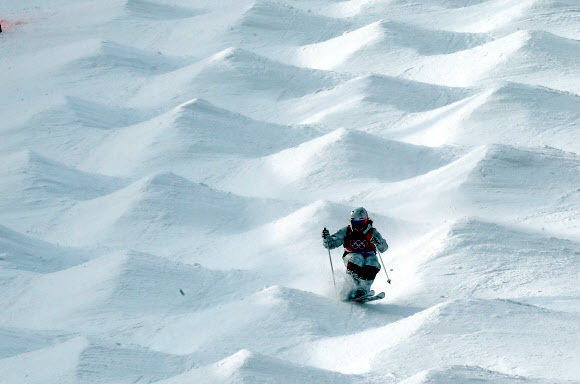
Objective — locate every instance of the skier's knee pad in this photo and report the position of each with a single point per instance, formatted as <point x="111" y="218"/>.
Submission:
<point x="373" y="261"/>
<point x="354" y="258"/>
<point x="369" y="272"/>
<point x="354" y="269"/>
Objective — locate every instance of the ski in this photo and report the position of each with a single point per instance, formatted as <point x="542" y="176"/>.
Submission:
<point x="346" y="297"/>
<point x="364" y="298"/>
<point x="369" y="294"/>
<point x="367" y="298"/>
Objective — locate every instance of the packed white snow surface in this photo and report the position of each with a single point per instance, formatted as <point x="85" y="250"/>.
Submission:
<point x="167" y="167"/>
<point x="167" y="142"/>
<point x="529" y="116"/>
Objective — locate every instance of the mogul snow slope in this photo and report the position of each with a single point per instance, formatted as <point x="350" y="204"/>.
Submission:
<point x="166" y="168"/>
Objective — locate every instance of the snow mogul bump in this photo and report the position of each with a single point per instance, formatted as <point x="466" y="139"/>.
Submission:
<point x="361" y="242"/>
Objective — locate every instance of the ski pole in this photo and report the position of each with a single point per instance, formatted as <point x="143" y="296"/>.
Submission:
<point x="332" y="270"/>
<point x="383" y="264"/>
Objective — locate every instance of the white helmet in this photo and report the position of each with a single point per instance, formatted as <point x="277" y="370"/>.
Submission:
<point x="359" y="218"/>
<point x="359" y="214"/>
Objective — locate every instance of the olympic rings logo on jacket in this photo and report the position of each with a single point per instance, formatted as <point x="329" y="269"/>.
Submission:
<point x="355" y="241"/>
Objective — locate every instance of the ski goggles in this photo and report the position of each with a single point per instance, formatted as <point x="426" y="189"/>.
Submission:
<point x="358" y="224"/>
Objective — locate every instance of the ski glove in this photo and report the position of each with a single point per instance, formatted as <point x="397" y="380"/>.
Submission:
<point x="375" y="241"/>
<point x="325" y="233"/>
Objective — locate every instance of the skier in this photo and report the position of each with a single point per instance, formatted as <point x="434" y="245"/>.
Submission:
<point x="360" y="240"/>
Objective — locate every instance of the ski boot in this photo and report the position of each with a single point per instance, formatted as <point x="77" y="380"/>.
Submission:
<point x="356" y="293"/>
